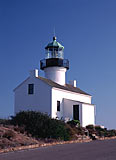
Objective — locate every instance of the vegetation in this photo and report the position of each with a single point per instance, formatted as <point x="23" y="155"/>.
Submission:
<point x="4" y="121"/>
<point x="74" y="123"/>
<point x="11" y="138"/>
<point x="41" y="125"/>
<point x="100" y="132"/>
<point x="9" y="134"/>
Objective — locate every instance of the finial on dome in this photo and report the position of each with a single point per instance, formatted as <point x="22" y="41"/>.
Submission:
<point x="54" y="38"/>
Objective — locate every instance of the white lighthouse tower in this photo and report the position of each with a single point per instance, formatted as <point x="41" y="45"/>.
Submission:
<point x="54" y="64"/>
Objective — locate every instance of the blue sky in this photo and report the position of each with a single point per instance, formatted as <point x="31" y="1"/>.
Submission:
<point x="86" y="28"/>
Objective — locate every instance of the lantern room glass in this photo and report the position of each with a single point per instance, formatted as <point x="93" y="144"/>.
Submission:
<point x="54" y="53"/>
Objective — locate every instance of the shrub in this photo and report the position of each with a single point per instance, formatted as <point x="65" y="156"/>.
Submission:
<point x="40" y="125"/>
<point x="5" y="121"/>
<point x="101" y="132"/>
<point x="111" y="133"/>
<point x="90" y="127"/>
<point x="9" y="134"/>
<point x="20" y="129"/>
<point x="74" y="123"/>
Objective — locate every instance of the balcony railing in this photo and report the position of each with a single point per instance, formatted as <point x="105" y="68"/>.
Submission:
<point x="54" y="62"/>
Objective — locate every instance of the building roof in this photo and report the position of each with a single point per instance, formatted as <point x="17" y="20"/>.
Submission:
<point x="79" y="102"/>
<point x="66" y="87"/>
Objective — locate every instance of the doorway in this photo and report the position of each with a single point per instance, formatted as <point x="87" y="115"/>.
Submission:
<point x="76" y="112"/>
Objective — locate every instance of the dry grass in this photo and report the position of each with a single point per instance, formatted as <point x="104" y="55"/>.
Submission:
<point x="9" y="137"/>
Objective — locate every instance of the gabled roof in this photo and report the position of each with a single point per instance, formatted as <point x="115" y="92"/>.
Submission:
<point x="66" y="87"/>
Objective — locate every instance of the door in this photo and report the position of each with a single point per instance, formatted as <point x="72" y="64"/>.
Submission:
<point x="76" y="112"/>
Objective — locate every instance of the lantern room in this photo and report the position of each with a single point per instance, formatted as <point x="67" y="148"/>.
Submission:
<point x="54" y="56"/>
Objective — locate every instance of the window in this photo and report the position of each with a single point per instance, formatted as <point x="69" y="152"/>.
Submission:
<point x="58" y="105"/>
<point x="30" y="88"/>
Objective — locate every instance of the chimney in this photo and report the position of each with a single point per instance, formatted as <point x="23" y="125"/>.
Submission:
<point x="73" y="83"/>
<point x="34" y="73"/>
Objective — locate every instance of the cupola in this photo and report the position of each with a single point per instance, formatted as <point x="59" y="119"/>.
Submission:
<point x="54" y="56"/>
<point x="54" y="50"/>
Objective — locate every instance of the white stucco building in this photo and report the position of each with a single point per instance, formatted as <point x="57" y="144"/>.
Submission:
<point x="51" y="94"/>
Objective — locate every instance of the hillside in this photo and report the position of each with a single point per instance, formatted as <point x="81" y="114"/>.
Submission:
<point x="31" y="128"/>
<point x="11" y="136"/>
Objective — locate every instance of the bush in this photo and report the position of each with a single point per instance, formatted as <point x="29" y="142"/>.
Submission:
<point x="40" y="125"/>
<point x="101" y="132"/>
<point x="9" y="134"/>
<point x="74" y="123"/>
<point x="90" y="127"/>
<point x="111" y="133"/>
<point x="5" y="121"/>
<point x="20" y="129"/>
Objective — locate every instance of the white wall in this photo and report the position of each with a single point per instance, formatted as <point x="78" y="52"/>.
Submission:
<point x="59" y="95"/>
<point x="56" y="74"/>
<point x="88" y="114"/>
<point x="68" y="109"/>
<point x="39" y="101"/>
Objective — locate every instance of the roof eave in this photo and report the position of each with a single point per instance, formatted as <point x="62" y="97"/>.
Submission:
<point x="20" y="84"/>
<point x="71" y="91"/>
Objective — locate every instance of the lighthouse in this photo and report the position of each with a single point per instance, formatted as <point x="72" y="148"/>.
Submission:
<point x="51" y="94"/>
<point x="54" y="64"/>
